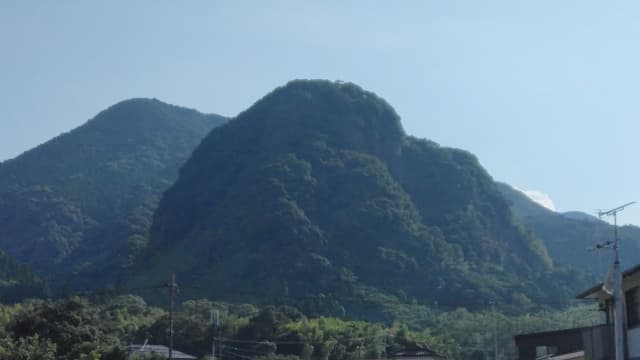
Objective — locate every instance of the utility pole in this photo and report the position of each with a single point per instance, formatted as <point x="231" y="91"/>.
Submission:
<point x="384" y="345"/>
<point x="172" y="294"/>
<point x="617" y="274"/>
<point x="214" y="320"/>
<point x="495" y="329"/>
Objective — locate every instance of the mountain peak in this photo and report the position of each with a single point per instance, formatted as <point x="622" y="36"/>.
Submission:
<point x="333" y="111"/>
<point x="145" y="110"/>
<point x="315" y="189"/>
<point x="81" y="193"/>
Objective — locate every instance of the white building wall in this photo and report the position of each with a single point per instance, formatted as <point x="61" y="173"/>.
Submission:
<point x="633" y="342"/>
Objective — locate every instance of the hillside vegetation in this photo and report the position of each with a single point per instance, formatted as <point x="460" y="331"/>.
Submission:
<point x="313" y="204"/>
<point x="80" y="328"/>
<point x="316" y="190"/>
<point x="78" y="208"/>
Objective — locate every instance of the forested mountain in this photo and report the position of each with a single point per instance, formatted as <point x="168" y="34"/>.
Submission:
<point x="313" y="197"/>
<point x="568" y="236"/>
<point x="316" y="192"/>
<point x="78" y="208"/>
<point x="17" y="281"/>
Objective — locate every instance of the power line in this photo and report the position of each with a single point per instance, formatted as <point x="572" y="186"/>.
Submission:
<point x="361" y="300"/>
<point x="250" y="351"/>
<point x="300" y="299"/>
<point x="225" y="351"/>
<point x="342" y="339"/>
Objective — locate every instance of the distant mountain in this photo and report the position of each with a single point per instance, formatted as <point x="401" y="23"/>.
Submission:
<point x="317" y="191"/>
<point x="523" y="206"/>
<point x="520" y="203"/>
<point x="568" y="236"/>
<point x="78" y="208"/>
<point x="578" y="215"/>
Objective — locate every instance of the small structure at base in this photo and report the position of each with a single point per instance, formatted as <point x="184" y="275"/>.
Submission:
<point x="151" y="350"/>
<point x="578" y="355"/>
<point x="416" y="351"/>
<point x="596" y="342"/>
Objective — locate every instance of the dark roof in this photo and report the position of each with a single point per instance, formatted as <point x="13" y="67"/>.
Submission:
<point x="598" y="286"/>
<point x="416" y="349"/>
<point x="414" y="353"/>
<point x="159" y="350"/>
<point x="555" y="333"/>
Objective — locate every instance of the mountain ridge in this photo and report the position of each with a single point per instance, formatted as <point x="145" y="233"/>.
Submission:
<point x="82" y="201"/>
<point x="315" y="164"/>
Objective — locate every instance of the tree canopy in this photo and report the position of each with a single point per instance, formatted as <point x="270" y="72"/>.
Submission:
<point x="317" y="190"/>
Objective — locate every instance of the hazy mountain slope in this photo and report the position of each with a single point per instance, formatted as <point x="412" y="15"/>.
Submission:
<point x="82" y="202"/>
<point x="316" y="189"/>
<point x="521" y="204"/>
<point x="568" y="236"/>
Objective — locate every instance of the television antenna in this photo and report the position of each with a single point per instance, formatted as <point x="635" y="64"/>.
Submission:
<point x="617" y="274"/>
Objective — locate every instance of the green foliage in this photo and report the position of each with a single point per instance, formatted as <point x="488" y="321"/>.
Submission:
<point x="27" y="348"/>
<point x="315" y="195"/>
<point x="17" y="281"/>
<point x="74" y="328"/>
<point x="473" y="332"/>
<point x="314" y="199"/>
<point x="78" y="208"/>
<point x="71" y="325"/>
<point x="80" y="329"/>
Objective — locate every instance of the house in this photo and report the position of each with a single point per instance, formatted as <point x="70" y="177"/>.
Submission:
<point x="596" y="342"/>
<point x="416" y="351"/>
<point x="631" y="290"/>
<point x="145" y="349"/>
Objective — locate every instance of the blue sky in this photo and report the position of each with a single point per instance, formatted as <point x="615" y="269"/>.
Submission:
<point x="545" y="93"/>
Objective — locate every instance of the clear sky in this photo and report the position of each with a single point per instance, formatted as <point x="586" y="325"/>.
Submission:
<point x="545" y="93"/>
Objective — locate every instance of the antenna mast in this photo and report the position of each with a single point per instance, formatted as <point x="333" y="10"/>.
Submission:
<point x="617" y="294"/>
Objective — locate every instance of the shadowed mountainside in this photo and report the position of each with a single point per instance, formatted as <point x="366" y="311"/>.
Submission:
<point x="316" y="190"/>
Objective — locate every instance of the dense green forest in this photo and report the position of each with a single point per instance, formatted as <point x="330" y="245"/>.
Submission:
<point x="316" y="190"/>
<point x="78" y="208"/>
<point x="569" y="236"/>
<point x="17" y="281"/>
<point x="313" y="204"/>
<point x="78" y="328"/>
